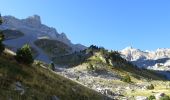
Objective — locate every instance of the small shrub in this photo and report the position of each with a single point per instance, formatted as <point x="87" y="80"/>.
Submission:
<point x="2" y="46"/>
<point x="150" y="87"/>
<point x="77" y="78"/>
<point x="126" y="79"/>
<point x="37" y="63"/>
<point x="52" y="66"/>
<point x="165" y="98"/>
<point x="90" y="67"/>
<point x="24" y="55"/>
<point x="151" y="97"/>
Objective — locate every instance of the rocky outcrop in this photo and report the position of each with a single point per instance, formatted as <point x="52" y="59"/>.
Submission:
<point x="148" y="59"/>
<point x="141" y="98"/>
<point x="20" y="88"/>
<point x="33" y="30"/>
<point x="33" y="26"/>
<point x="159" y="95"/>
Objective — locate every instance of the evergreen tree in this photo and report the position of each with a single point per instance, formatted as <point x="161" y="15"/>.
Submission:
<point x="2" y="46"/>
<point x="126" y="79"/>
<point x="0" y="19"/>
<point x="24" y="55"/>
<point x="52" y="66"/>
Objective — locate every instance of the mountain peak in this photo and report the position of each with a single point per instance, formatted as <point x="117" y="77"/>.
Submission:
<point x="34" y="20"/>
<point x="130" y="49"/>
<point x="32" y="26"/>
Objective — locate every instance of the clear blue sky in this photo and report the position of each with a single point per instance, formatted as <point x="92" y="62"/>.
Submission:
<point x="114" y="24"/>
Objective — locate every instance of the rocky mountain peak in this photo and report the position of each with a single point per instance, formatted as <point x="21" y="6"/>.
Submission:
<point x="63" y="35"/>
<point x="33" y="21"/>
<point x="32" y="27"/>
<point x="132" y="54"/>
<point x="147" y="58"/>
<point x="35" y="18"/>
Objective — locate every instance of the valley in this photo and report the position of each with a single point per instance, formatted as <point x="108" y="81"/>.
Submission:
<point x="80" y="72"/>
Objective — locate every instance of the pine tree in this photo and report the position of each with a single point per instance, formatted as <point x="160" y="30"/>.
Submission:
<point x="2" y="46"/>
<point x="24" y="55"/>
<point x="52" y="66"/>
<point x="0" y="19"/>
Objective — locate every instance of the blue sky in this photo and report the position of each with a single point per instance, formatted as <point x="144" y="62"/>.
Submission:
<point x="113" y="24"/>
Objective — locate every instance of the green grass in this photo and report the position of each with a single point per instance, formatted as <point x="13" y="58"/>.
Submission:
<point x="40" y="83"/>
<point x="12" y="34"/>
<point x="70" y="60"/>
<point x="53" y="47"/>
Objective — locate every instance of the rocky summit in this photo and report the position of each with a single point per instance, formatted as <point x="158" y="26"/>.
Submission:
<point x="33" y="26"/>
<point x="158" y="59"/>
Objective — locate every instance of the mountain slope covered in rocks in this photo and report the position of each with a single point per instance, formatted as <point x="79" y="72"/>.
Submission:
<point x="110" y="74"/>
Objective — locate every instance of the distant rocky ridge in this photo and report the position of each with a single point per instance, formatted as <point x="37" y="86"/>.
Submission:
<point x="33" y="26"/>
<point x="158" y="60"/>
<point x="33" y="30"/>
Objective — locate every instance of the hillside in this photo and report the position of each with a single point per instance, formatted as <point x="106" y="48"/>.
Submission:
<point x="12" y="34"/>
<point x="53" y="47"/>
<point x="105" y="71"/>
<point x="21" y="82"/>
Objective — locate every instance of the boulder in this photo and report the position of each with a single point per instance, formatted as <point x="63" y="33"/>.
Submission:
<point x="141" y="98"/>
<point x="54" y="98"/>
<point x="20" y="88"/>
<point x="159" y="95"/>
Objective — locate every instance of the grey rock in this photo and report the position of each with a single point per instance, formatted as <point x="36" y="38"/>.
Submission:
<point x="141" y="98"/>
<point x="20" y="88"/>
<point x="159" y="95"/>
<point x="33" y="27"/>
<point x="54" y="98"/>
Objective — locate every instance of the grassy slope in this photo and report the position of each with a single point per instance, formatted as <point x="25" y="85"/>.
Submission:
<point x="12" y="34"/>
<point x="39" y="83"/>
<point x="137" y="75"/>
<point x="120" y="65"/>
<point x="53" y="47"/>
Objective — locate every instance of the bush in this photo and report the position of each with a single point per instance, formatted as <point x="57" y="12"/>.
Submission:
<point x="150" y="87"/>
<point x="126" y="79"/>
<point x="165" y="98"/>
<point x="151" y="97"/>
<point x="2" y="46"/>
<point x="90" y="67"/>
<point x="52" y="66"/>
<point x="1" y="20"/>
<point x="24" y="55"/>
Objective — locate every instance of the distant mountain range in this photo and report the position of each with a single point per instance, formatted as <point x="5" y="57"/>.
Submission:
<point x="157" y="60"/>
<point x="48" y="43"/>
<point x="30" y="30"/>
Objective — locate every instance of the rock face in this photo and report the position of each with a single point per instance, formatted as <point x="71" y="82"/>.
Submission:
<point x="159" y="95"/>
<point x="20" y="88"/>
<point x="33" y="29"/>
<point x="33" y="26"/>
<point x="141" y="98"/>
<point x="158" y="60"/>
